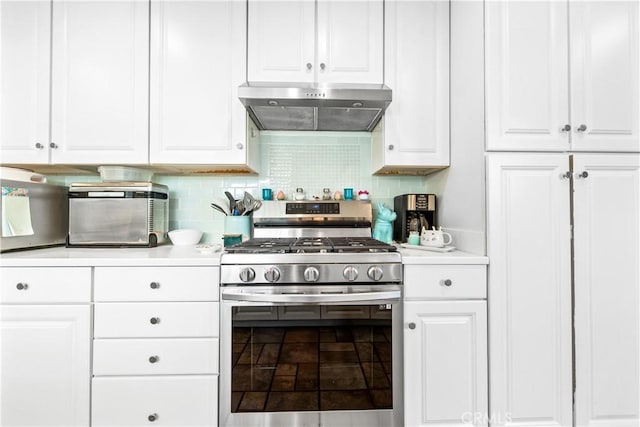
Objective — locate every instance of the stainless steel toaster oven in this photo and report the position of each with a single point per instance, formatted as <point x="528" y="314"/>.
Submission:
<point x="118" y="214"/>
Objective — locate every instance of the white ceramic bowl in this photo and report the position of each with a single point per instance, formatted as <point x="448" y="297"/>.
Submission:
<point x="185" y="237"/>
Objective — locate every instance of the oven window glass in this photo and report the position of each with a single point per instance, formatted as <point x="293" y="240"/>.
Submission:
<point x="311" y="358"/>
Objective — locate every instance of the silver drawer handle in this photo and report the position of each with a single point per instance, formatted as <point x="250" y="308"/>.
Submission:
<point x="447" y="282"/>
<point x="412" y="325"/>
<point x="22" y="286"/>
<point x="154" y="285"/>
<point x="152" y="417"/>
<point x="154" y="359"/>
<point x="154" y="320"/>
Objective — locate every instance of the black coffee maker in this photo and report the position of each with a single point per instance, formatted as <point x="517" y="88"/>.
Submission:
<point x="413" y="211"/>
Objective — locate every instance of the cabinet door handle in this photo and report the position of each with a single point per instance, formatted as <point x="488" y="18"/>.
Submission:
<point x="154" y="285"/>
<point x="53" y="145"/>
<point x="309" y="65"/>
<point x="584" y="174"/>
<point x="322" y="66"/>
<point x="412" y="325"/>
<point x="240" y="146"/>
<point x="22" y="286"/>
<point x="566" y="128"/>
<point x="447" y="282"/>
<point x="154" y="359"/>
<point x="566" y="175"/>
<point x="152" y="417"/>
<point x="154" y="320"/>
<point x="391" y="147"/>
<point x="581" y="128"/>
<point x="39" y="146"/>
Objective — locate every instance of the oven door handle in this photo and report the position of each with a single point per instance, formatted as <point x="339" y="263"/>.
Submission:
<point x="312" y="298"/>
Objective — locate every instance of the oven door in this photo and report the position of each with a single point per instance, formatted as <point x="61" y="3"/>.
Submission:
<point x="327" y="355"/>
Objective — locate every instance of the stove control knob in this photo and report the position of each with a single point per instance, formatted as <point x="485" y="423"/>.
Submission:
<point x="247" y="274"/>
<point x="375" y="273"/>
<point x="272" y="274"/>
<point x="311" y="274"/>
<point x="350" y="273"/>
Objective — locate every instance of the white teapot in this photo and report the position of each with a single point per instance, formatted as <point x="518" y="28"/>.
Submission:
<point x="435" y="238"/>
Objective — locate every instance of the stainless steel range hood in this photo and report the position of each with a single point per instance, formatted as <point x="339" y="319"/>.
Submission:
<point x="295" y="106"/>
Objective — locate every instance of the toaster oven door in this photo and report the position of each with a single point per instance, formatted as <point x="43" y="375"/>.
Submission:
<point x="109" y="221"/>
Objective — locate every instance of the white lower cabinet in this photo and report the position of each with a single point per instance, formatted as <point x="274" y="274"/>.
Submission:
<point x="445" y="347"/>
<point x="45" y="346"/>
<point x="155" y="400"/>
<point x="155" y="361"/>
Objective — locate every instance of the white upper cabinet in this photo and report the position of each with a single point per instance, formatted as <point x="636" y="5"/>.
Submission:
<point x="562" y="76"/>
<point x="307" y="41"/>
<point x="197" y="63"/>
<point x="414" y="132"/>
<point x="100" y="80"/>
<point x="281" y="44"/>
<point x="350" y="41"/>
<point x="605" y="75"/>
<point x="25" y="31"/>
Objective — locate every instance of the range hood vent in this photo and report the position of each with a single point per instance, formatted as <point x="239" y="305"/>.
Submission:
<point x="282" y="106"/>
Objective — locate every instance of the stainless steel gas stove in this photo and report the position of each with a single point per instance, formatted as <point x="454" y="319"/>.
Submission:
<point x="311" y="320"/>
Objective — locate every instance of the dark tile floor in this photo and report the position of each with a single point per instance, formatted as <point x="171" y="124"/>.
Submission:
<point x="310" y="369"/>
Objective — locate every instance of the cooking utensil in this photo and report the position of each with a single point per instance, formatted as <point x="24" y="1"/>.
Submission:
<point x="232" y="201"/>
<point x="219" y="208"/>
<point x="257" y="204"/>
<point x="248" y="200"/>
<point x="240" y="207"/>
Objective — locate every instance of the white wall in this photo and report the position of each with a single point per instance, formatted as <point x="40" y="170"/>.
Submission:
<point x="461" y="204"/>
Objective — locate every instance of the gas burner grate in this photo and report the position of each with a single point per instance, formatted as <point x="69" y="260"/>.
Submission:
<point x="311" y="245"/>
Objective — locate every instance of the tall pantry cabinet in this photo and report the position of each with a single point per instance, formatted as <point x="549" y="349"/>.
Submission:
<point x="563" y="200"/>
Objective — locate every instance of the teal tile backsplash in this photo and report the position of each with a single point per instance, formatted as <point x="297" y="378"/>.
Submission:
<point x="311" y="160"/>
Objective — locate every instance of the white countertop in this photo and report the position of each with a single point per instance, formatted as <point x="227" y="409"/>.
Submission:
<point x="78" y="257"/>
<point x="182" y="256"/>
<point x="420" y="256"/>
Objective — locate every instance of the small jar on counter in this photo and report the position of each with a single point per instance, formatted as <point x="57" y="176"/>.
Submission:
<point x="326" y="194"/>
<point x="299" y="194"/>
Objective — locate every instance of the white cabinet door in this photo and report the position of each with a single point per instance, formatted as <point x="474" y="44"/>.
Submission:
<point x="350" y="41"/>
<point x="445" y="362"/>
<point x="289" y="42"/>
<point x="45" y="365"/>
<point x="415" y="129"/>
<point x="607" y="289"/>
<point x="605" y="75"/>
<point x="100" y="79"/>
<point x="527" y="87"/>
<point x="281" y="43"/>
<point x="537" y="53"/>
<point x="529" y="245"/>
<point x="197" y="62"/>
<point x="24" y="81"/>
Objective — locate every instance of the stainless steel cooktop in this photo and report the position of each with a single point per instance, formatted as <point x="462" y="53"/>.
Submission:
<point x="311" y="242"/>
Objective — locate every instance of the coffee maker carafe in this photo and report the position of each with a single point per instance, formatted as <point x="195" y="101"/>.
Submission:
<point x="413" y="211"/>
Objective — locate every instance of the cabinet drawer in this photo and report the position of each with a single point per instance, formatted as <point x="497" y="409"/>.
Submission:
<point x="45" y="284"/>
<point x="155" y="356"/>
<point x="156" y="319"/>
<point x="156" y="284"/>
<point x="168" y="400"/>
<point x="445" y="281"/>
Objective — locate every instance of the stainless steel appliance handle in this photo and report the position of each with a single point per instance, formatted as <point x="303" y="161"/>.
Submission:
<point x="313" y="298"/>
